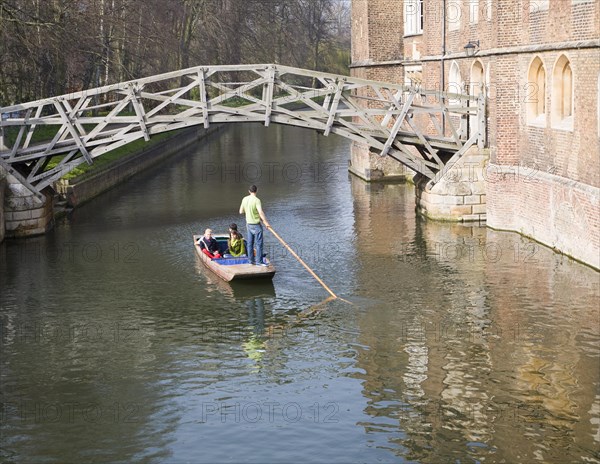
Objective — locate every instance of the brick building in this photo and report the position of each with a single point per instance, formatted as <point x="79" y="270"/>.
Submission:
<point x="539" y="63"/>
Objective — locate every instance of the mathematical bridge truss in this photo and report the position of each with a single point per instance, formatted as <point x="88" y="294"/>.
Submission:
<point x="427" y="131"/>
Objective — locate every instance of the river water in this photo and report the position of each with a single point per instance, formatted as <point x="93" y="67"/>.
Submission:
<point x="462" y="344"/>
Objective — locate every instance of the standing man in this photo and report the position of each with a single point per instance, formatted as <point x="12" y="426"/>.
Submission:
<point x="254" y="214"/>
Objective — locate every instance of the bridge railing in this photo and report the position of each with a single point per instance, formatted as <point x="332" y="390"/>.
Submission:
<point x="420" y="128"/>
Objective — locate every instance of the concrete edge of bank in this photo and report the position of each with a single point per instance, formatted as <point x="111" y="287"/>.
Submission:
<point x="81" y="189"/>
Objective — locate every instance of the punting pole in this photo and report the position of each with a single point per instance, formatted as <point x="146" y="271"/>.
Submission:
<point x="305" y="265"/>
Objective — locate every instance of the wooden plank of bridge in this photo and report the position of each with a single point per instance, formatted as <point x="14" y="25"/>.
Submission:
<point x="74" y="134"/>
<point x="452" y="161"/>
<point x="481" y="119"/>
<point x="13" y="152"/>
<point x="203" y="102"/>
<point x="395" y="104"/>
<point x="73" y="112"/>
<point x="139" y="111"/>
<point x="429" y="149"/>
<point x="368" y="124"/>
<point x="268" y="94"/>
<point x="32" y="127"/>
<point x="399" y="120"/>
<point x="334" y="106"/>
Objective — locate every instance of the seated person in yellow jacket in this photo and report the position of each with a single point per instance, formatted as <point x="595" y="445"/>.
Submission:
<point x="236" y="244"/>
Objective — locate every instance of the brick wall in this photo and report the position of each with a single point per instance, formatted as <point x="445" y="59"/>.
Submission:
<point x="565" y="161"/>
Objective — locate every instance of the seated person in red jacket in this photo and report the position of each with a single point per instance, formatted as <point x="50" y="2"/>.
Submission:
<point x="209" y="245"/>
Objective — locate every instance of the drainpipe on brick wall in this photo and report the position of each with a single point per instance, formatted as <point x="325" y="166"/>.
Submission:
<point x="443" y="79"/>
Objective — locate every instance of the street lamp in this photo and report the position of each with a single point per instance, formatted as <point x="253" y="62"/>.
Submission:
<point x="470" y="47"/>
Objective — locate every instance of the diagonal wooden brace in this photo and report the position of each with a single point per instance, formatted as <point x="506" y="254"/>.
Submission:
<point x="268" y="94"/>
<point x="334" y="106"/>
<point x="203" y="96"/>
<point x="71" y="128"/>
<point x="139" y="111"/>
<point x="397" y="124"/>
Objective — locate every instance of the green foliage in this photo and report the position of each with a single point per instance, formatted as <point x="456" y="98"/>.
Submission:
<point x="41" y="134"/>
<point x="117" y="154"/>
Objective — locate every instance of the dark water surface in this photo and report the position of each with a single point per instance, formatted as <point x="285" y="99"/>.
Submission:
<point x="463" y="345"/>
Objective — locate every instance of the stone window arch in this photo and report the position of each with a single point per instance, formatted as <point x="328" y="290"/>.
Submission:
<point x="455" y="82"/>
<point x="535" y="92"/>
<point x="476" y="88"/>
<point x="562" y="94"/>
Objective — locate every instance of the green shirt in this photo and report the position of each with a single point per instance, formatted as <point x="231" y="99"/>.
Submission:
<point x="236" y="247"/>
<point x="250" y="205"/>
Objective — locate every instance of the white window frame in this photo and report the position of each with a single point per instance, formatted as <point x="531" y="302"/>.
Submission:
<point x="413" y="17"/>
<point x="473" y="11"/>
<point x="539" y="5"/>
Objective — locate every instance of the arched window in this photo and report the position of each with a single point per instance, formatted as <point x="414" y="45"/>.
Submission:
<point x="455" y="82"/>
<point x="476" y="88"/>
<point x="477" y="78"/>
<point x="535" y="92"/>
<point x="562" y="94"/>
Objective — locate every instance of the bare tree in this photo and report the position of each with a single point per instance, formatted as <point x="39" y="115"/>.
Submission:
<point x="49" y="47"/>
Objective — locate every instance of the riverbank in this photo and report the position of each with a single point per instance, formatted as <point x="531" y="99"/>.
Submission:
<point x="75" y="191"/>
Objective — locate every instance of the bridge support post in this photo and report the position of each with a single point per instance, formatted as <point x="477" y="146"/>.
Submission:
<point x="371" y="167"/>
<point x="460" y="195"/>
<point x="24" y="214"/>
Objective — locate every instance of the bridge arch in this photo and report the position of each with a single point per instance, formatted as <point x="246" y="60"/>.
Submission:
<point x="385" y="116"/>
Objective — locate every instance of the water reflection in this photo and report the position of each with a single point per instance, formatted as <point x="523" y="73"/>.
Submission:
<point x="463" y="344"/>
<point x="492" y="367"/>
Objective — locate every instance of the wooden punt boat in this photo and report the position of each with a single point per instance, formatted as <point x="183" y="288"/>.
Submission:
<point x="233" y="268"/>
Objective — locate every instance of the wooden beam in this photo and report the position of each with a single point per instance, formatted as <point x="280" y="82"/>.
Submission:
<point x="334" y="106"/>
<point x="268" y="94"/>
<point x="349" y="109"/>
<point x="203" y="97"/>
<point x="74" y="134"/>
<point x="139" y="111"/>
<point x="397" y="124"/>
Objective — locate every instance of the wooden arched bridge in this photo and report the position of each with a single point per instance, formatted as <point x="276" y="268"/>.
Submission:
<point x="390" y="118"/>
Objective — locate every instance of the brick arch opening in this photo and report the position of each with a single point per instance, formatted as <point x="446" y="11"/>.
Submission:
<point x="562" y="94"/>
<point x="455" y="81"/>
<point x="476" y="88"/>
<point x="536" y="92"/>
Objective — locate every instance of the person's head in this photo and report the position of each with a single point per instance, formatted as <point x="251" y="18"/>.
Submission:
<point x="235" y="235"/>
<point x="253" y="189"/>
<point x="233" y="227"/>
<point x="208" y="233"/>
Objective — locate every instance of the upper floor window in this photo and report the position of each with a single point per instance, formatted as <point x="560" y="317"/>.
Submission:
<point x="473" y="11"/>
<point x="453" y="14"/>
<point x="562" y="94"/>
<point x="489" y="7"/>
<point x="413" y="17"/>
<point x="538" y="5"/>
<point x="535" y="92"/>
